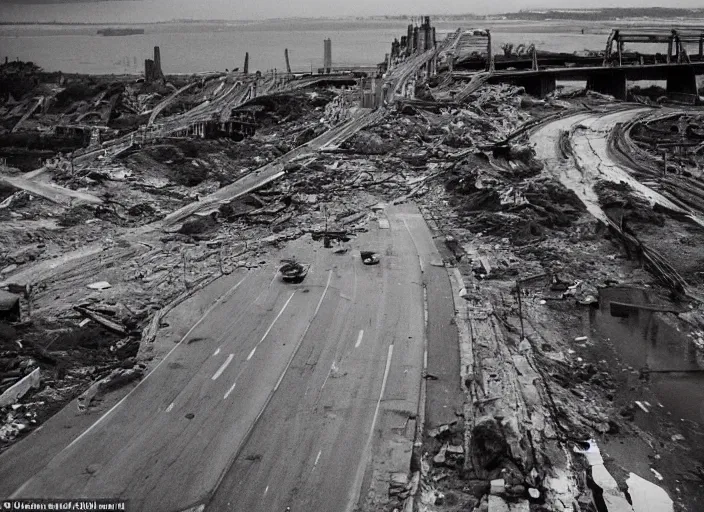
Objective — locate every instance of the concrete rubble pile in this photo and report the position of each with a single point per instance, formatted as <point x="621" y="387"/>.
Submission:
<point x="531" y="252"/>
<point x="94" y="268"/>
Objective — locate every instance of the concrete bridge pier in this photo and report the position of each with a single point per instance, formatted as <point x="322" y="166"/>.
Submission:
<point x="682" y="85"/>
<point x="613" y="83"/>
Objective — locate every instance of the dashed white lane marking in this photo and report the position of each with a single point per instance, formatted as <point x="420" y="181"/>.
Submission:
<point x="171" y="406"/>
<point x="359" y="338"/>
<point x="216" y="352"/>
<point x="224" y="365"/>
<point x="317" y="458"/>
<point x="207" y="312"/>
<point x="332" y="367"/>
<point x="232" y="388"/>
<point x="270" y="328"/>
<point x="315" y="313"/>
<point x="357" y="485"/>
<point x="266" y="490"/>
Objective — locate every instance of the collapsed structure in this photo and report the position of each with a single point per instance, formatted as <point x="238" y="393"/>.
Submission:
<point x="152" y="67"/>
<point x="556" y="211"/>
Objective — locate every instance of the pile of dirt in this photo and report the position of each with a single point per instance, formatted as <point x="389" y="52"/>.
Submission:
<point x="76" y="215"/>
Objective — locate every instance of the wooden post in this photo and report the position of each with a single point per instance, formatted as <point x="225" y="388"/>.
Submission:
<point x="489" y="53"/>
<point x="669" y="50"/>
<point x="620" y="53"/>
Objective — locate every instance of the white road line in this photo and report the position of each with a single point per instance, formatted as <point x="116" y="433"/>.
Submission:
<point x="317" y="458"/>
<point x="271" y="395"/>
<point x="171" y="406"/>
<point x="207" y="312"/>
<point x="270" y="327"/>
<point x="357" y="486"/>
<point x="359" y="338"/>
<point x="216" y="352"/>
<point x="266" y="490"/>
<point x="420" y="259"/>
<point x="224" y="365"/>
<point x="232" y="388"/>
<point x="256" y="301"/>
<point x="328" y="375"/>
<point x="315" y="313"/>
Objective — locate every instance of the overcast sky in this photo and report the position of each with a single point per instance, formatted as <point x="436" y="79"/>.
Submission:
<point x="162" y="10"/>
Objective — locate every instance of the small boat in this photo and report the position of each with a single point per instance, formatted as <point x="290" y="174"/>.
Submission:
<point x="369" y="257"/>
<point x="292" y="271"/>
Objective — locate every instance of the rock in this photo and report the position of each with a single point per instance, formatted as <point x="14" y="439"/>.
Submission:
<point x="516" y="491"/>
<point x="497" y="504"/>
<point x="24" y="255"/>
<point x="478" y="488"/>
<point x="8" y="269"/>
<point x="677" y="437"/>
<point x="440" y="457"/>
<point x="498" y="486"/>
<point x="398" y="480"/>
<point x="455" y="449"/>
<point x="100" y="285"/>
<point x="435" y="432"/>
<point x="534" y="493"/>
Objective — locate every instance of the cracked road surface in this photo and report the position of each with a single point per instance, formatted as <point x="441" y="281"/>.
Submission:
<point x="263" y="395"/>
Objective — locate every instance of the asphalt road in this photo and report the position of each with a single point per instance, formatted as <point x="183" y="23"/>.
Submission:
<point x="265" y="394"/>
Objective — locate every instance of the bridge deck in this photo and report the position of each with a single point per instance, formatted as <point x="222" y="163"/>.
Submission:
<point x="636" y="72"/>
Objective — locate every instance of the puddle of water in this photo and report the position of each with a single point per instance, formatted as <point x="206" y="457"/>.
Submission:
<point x="645" y="339"/>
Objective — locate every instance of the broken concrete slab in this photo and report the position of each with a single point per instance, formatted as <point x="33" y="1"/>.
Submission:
<point x="100" y="285"/>
<point x="613" y="497"/>
<point x="21" y="388"/>
<point x="646" y="496"/>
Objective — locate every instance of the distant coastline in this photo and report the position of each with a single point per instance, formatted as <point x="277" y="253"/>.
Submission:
<point x="552" y="14"/>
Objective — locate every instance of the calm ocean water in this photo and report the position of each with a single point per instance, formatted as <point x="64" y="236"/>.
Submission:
<point x="189" y="48"/>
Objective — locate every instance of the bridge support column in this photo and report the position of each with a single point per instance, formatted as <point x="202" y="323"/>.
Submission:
<point x="613" y="83"/>
<point x="539" y="86"/>
<point x="682" y="85"/>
